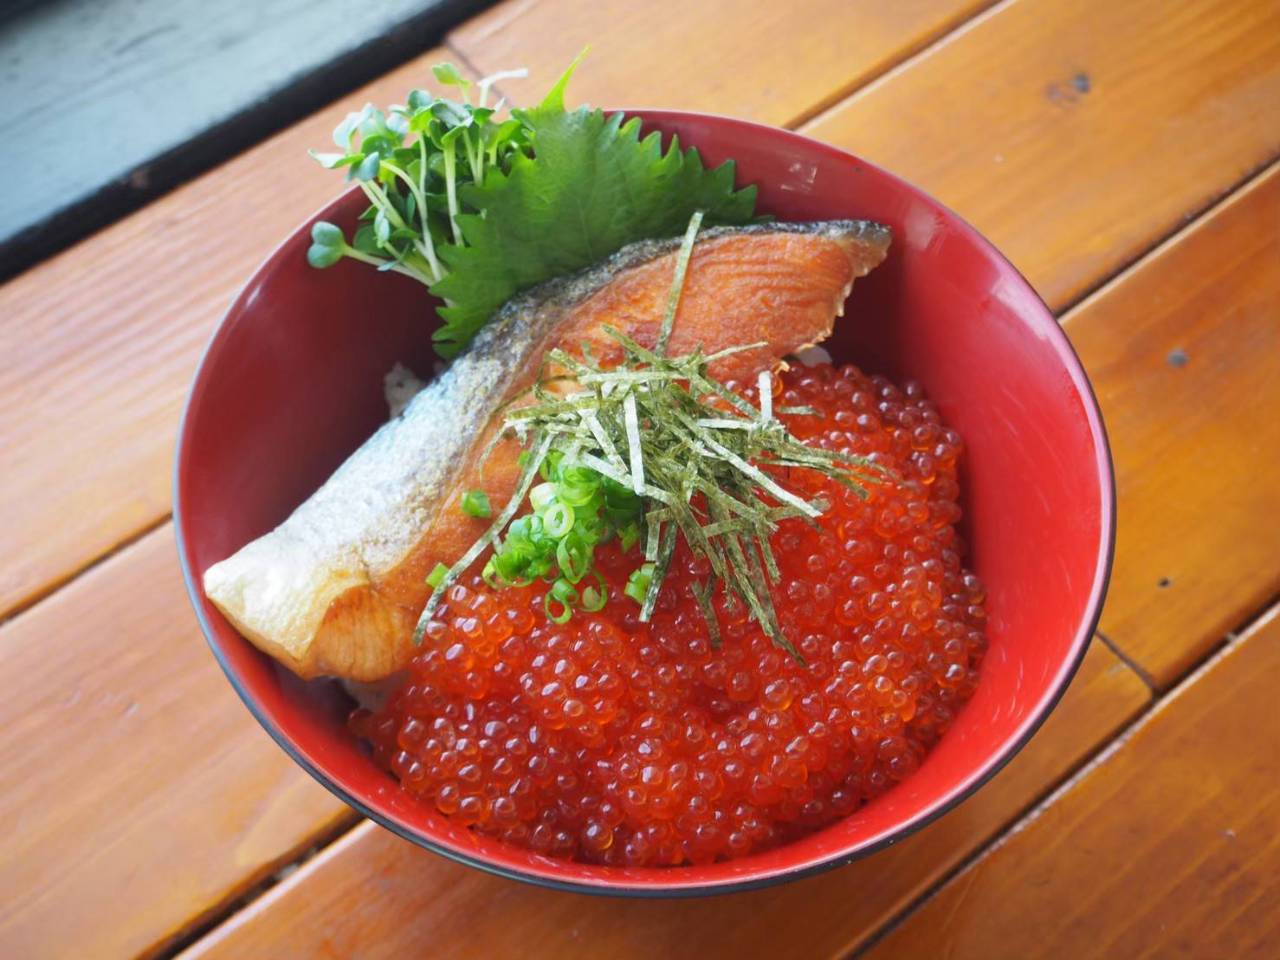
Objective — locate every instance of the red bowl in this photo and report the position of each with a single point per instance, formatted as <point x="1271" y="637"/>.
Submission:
<point x="292" y="383"/>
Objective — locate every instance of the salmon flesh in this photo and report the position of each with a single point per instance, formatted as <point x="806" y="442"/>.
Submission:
<point x="338" y="587"/>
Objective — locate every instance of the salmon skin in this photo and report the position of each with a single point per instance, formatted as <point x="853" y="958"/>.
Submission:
<point x="338" y="587"/>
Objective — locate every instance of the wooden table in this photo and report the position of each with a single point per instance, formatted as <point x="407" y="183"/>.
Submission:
<point x="1123" y="153"/>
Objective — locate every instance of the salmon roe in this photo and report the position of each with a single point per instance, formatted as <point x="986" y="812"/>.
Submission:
<point x="613" y="741"/>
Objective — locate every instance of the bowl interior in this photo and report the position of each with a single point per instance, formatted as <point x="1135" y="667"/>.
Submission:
<point x="292" y="383"/>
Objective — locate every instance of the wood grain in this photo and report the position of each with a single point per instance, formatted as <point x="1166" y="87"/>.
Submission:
<point x="393" y="897"/>
<point x="772" y="62"/>
<point x="1184" y="354"/>
<point x="1075" y="134"/>
<point x="103" y="340"/>
<point x="1167" y="848"/>
<point x="138" y="791"/>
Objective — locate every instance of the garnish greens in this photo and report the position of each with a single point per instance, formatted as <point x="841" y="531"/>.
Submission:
<point x="654" y="448"/>
<point x="574" y="510"/>
<point x="480" y="209"/>
<point x="410" y="162"/>
<point x="475" y="503"/>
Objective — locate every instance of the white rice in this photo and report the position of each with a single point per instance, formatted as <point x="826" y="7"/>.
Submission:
<point x="400" y="385"/>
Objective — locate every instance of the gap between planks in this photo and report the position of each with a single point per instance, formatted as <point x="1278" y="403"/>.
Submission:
<point x="1129" y="662"/>
<point x="1092" y="761"/>
<point x="216" y="915"/>
<point x="469" y="66"/>
<point x="1190" y="220"/>
<point x="911" y="57"/>
<point x="952" y="29"/>
<point x="90" y="564"/>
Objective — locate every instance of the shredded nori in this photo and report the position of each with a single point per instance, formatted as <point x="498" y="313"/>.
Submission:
<point x="706" y="462"/>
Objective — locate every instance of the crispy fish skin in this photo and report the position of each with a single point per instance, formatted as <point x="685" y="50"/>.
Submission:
<point x="337" y="588"/>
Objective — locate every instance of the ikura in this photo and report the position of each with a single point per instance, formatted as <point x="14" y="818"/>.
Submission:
<point x="612" y="741"/>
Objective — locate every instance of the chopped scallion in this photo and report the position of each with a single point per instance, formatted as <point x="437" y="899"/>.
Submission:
<point x="475" y="503"/>
<point x="438" y="573"/>
<point x="637" y="587"/>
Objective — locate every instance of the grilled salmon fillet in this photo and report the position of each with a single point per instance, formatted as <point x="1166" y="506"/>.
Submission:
<point x="338" y="587"/>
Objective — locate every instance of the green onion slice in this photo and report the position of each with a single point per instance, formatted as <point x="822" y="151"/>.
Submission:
<point x="475" y="503"/>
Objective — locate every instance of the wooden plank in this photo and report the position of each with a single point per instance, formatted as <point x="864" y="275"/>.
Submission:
<point x="103" y="340"/>
<point x="408" y="897"/>
<point x="1167" y="848"/>
<point x="1075" y="134"/>
<point x="1184" y="353"/>
<point x="775" y="63"/>
<point x="163" y="89"/>
<point x="138" y="791"/>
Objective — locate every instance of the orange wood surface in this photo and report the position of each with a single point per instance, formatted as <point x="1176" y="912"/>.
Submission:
<point x="408" y="897"/>
<point x="1075" y="134"/>
<point x="138" y="792"/>
<point x="1166" y="848"/>
<point x="1184" y="353"/>
<point x="776" y="63"/>
<point x="140" y="799"/>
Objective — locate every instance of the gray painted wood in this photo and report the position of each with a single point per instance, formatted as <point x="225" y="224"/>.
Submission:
<point x="105" y="103"/>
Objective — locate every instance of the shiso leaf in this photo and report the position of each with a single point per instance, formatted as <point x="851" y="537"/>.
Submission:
<point x="592" y="186"/>
<point x="479" y="209"/>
